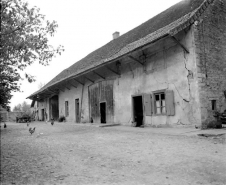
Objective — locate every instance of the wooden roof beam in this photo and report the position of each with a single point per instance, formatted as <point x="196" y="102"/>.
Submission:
<point x="99" y="75"/>
<point x="136" y="60"/>
<point x="52" y="91"/>
<point x="42" y="97"/>
<point x="78" y="81"/>
<point x="181" y="45"/>
<point x="65" y="86"/>
<point x="72" y="84"/>
<point x="113" y="71"/>
<point x="61" y="87"/>
<point x="46" y="93"/>
<point x="58" y="87"/>
<point x="88" y="79"/>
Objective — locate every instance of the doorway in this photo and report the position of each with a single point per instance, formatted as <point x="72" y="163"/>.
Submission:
<point x="77" y="120"/>
<point x="54" y="108"/>
<point x="138" y="110"/>
<point x="103" y="112"/>
<point x="43" y="115"/>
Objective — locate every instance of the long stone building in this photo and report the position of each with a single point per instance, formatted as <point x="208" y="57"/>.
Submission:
<point x="169" y="70"/>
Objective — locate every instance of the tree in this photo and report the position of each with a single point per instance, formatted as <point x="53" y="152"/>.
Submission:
<point x="24" y="107"/>
<point x="17" y="108"/>
<point x="24" y="39"/>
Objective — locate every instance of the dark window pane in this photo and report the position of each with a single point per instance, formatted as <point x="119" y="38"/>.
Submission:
<point x="157" y="97"/>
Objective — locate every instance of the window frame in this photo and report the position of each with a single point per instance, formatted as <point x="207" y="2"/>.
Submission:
<point x="154" y="103"/>
<point x="66" y="108"/>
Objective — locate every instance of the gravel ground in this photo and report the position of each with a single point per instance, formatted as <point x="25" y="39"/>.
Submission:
<point x="70" y="154"/>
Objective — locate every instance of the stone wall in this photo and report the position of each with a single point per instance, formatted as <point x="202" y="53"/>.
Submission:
<point x="210" y="41"/>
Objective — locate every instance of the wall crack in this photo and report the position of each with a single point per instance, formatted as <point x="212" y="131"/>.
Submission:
<point x="187" y="101"/>
<point x="131" y="70"/>
<point x="189" y="74"/>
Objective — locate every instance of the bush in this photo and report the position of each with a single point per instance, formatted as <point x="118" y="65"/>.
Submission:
<point x="214" y="124"/>
<point x="61" y="119"/>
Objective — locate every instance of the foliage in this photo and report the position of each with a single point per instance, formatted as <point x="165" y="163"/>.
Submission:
<point x="5" y="96"/>
<point x="219" y="115"/>
<point x="220" y="118"/>
<point x="17" y="108"/>
<point x="24" y="39"/>
<point x="61" y="119"/>
<point x="23" y="107"/>
<point x="212" y="124"/>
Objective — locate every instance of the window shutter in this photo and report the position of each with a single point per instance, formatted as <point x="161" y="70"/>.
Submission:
<point x="170" y="106"/>
<point x="65" y="107"/>
<point x="147" y="104"/>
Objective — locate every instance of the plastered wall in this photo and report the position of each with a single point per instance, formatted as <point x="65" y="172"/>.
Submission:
<point x="70" y="96"/>
<point x="171" y="68"/>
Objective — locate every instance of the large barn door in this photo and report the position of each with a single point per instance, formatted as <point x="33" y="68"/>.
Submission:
<point x="94" y="102"/>
<point x="54" y="107"/>
<point x="99" y="93"/>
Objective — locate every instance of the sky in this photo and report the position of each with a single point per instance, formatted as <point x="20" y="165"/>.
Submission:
<point x="84" y="26"/>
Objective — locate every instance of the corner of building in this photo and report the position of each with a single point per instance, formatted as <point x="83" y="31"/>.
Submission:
<point x="210" y="49"/>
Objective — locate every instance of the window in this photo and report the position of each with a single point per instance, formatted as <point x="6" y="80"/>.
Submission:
<point x="214" y="104"/>
<point x="160" y="103"/>
<point x="66" y="109"/>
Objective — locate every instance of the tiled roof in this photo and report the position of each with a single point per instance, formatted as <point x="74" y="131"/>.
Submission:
<point x="169" y="22"/>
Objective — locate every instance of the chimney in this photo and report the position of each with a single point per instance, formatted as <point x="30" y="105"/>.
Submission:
<point x="115" y="35"/>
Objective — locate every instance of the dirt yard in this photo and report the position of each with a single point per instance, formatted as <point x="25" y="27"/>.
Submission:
<point x="71" y="154"/>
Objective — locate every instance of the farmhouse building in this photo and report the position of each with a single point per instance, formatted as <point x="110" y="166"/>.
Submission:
<point x="169" y="70"/>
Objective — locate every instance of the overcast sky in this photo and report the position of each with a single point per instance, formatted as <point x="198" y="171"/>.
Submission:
<point x="84" y="26"/>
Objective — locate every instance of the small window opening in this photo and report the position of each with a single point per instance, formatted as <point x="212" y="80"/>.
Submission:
<point x="66" y="109"/>
<point x="214" y="104"/>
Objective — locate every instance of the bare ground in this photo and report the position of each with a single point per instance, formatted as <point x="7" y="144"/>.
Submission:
<point x="71" y="154"/>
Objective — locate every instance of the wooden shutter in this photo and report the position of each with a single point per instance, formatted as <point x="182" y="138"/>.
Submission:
<point x="170" y="106"/>
<point x="147" y="104"/>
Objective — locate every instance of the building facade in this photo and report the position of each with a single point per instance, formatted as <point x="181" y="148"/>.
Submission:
<point x="171" y="70"/>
